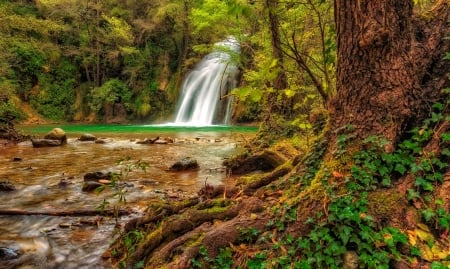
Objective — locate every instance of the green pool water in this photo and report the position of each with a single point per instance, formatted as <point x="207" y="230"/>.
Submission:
<point x="134" y="129"/>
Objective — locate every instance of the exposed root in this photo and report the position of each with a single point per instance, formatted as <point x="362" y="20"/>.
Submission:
<point x="160" y="212"/>
<point x="179" y="224"/>
<point x="164" y="254"/>
<point x="266" y="179"/>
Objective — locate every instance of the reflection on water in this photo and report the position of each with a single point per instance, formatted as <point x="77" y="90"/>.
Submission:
<point x="65" y="242"/>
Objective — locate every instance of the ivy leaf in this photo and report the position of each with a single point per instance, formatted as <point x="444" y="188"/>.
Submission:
<point x="425" y="185"/>
<point x="428" y="214"/>
<point x="445" y="137"/>
<point x="400" y="168"/>
<point x="438" y="106"/>
<point x="447" y="56"/>
<point x="445" y="152"/>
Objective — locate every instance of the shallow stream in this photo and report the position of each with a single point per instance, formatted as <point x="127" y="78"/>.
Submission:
<point x="50" y="180"/>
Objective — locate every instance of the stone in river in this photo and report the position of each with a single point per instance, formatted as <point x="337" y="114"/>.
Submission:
<point x="41" y="143"/>
<point x="6" y="186"/>
<point x="87" y="137"/>
<point x="185" y="164"/>
<point x="96" y="176"/>
<point x="57" y="134"/>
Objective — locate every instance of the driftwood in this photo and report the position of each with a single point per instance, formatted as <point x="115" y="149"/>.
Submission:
<point x="65" y="213"/>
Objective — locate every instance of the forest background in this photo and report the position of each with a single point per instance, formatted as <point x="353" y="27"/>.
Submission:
<point x="119" y="61"/>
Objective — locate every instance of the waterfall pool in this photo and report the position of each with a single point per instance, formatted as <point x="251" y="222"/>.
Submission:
<point x="41" y="241"/>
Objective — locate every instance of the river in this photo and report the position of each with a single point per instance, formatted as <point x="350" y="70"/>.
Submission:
<point x="50" y="180"/>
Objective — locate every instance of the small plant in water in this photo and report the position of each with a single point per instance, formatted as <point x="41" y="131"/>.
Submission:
<point x="118" y="184"/>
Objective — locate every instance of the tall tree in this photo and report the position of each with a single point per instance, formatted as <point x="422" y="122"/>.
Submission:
<point x="280" y="82"/>
<point x="390" y="65"/>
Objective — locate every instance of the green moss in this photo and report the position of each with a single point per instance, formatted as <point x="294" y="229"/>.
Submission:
<point x="385" y="202"/>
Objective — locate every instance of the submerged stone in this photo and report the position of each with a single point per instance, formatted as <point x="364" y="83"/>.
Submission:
<point x="185" y="164"/>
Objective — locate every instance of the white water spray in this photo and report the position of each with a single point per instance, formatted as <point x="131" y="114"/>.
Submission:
<point x="202" y="102"/>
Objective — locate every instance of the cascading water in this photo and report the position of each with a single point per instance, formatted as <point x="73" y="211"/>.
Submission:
<point x="201" y="101"/>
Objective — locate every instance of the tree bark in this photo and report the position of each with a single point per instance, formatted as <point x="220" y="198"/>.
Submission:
<point x="384" y="63"/>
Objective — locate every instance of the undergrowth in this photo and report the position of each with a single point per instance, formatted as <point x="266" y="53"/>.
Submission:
<point x="344" y="234"/>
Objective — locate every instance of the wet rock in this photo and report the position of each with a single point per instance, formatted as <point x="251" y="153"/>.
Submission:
<point x="6" y="186"/>
<point x="87" y="137"/>
<point x="57" y="134"/>
<point x="64" y="182"/>
<point x="185" y="164"/>
<point x="8" y="254"/>
<point x="103" y="140"/>
<point x="16" y="159"/>
<point x="96" y="176"/>
<point x="148" y="141"/>
<point x="41" y="143"/>
<point x="89" y="186"/>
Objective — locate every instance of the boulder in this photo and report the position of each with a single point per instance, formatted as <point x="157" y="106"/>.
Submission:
<point x="57" y="134"/>
<point x="87" y="137"/>
<point x="185" y="164"/>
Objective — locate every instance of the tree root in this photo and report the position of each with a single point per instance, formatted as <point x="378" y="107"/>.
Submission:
<point x="266" y="179"/>
<point x="192" y="223"/>
<point x="228" y="232"/>
<point x="159" y="213"/>
<point x="166" y="252"/>
<point x="179" y="224"/>
<point x="174" y="233"/>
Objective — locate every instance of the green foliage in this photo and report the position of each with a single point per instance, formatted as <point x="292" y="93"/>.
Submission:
<point x="248" y="234"/>
<point x="112" y="91"/>
<point x="118" y="183"/>
<point x="9" y="113"/>
<point x="345" y="226"/>
<point x="222" y="261"/>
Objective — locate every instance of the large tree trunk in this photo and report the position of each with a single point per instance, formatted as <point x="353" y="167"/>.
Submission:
<point x="386" y="66"/>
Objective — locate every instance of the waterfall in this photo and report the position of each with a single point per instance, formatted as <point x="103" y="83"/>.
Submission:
<point x="202" y="102"/>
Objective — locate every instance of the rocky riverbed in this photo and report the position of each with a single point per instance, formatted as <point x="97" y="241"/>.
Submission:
<point x="40" y="180"/>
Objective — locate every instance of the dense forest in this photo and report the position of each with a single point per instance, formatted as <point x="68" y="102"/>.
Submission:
<point x="118" y="61"/>
<point x="353" y="100"/>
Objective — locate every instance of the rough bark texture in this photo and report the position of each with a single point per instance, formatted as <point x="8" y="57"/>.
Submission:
<point x="387" y="61"/>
